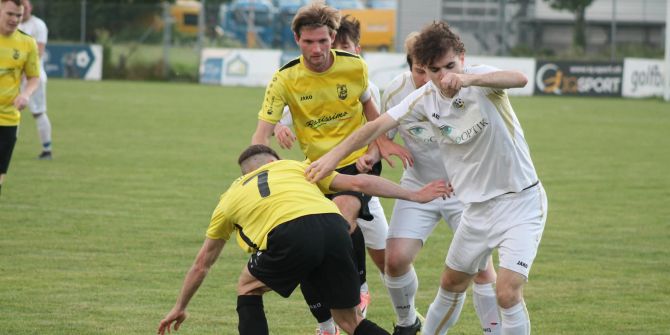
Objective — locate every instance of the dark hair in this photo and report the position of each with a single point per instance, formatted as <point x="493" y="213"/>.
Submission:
<point x="349" y="28"/>
<point x="16" y="2"/>
<point x="435" y="40"/>
<point x="256" y="149"/>
<point x="316" y="15"/>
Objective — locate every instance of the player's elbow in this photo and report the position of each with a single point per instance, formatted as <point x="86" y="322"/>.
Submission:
<point x="521" y="79"/>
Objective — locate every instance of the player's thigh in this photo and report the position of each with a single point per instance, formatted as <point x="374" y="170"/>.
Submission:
<point x="38" y="100"/>
<point x="452" y="210"/>
<point x="471" y="245"/>
<point x="413" y="220"/>
<point x="520" y="224"/>
<point x="336" y="278"/>
<point x="247" y="284"/>
<point x="374" y="231"/>
<point x="8" y="136"/>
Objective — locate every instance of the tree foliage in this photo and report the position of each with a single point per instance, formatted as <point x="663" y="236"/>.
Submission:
<point x="64" y="17"/>
<point x="578" y="8"/>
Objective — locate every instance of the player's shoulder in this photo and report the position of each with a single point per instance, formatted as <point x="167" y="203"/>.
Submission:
<point x="290" y="65"/>
<point x="345" y="59"/>
<point x="23" y="37"/>
<point x="341" y="53"/>
<point x="23" y="34"/>
<point x="401" y="80"/>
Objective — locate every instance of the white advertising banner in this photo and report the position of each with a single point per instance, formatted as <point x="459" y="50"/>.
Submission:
<point x="383" y="67"/>
<point x="238" y="67"/>
<point x="250" y="67"/>
<point x="643" y="78"/>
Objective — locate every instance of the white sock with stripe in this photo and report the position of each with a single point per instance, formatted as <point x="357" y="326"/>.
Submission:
<point x="443" y="312"/>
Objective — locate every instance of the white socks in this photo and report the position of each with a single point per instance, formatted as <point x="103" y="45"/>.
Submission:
<point x="486" y="306"/>
<point x="443" y="312"/>
<point x="402" y="291"/>
<point x="515" y="320"/>
<point x="44" y="130"/>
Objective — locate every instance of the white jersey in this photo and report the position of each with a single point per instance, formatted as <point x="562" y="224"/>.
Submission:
<point x="428" y="165"/>
<point x="482" y="143"/>
<point x="36" y="28"/>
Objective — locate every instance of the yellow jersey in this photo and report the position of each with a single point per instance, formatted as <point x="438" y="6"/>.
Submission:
<point x="325" y="106"/>
<point x="18" y="54"/>
<point x="260" y="200"/>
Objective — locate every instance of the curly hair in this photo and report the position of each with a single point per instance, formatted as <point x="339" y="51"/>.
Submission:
<point x="434" y="41"/>
<point x="316" y="15"/>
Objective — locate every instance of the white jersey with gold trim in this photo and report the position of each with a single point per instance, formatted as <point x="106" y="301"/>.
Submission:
<point x="483" y="147"/>
<point x="428" y="165"/>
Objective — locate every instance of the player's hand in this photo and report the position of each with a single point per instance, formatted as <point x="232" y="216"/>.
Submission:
<point x="21" y="101"/>
<point x="451" y="83"/>
<point x="433" y="190"/>
<point x="388" y="148"/>
<point x="321" y="168"/>
<point x="365" y="163"/>
<point x="177" y="316"/>
<point x="284" y="136"/>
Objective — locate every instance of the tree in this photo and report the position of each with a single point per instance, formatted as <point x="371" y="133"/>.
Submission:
<point x="578" y="7"/>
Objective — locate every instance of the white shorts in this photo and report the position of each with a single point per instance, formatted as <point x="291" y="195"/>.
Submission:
<point x="38" y="101"/>
<point x="374" y="232"/>
<point x="417" y="221"/>
<point x="513" y="223"/>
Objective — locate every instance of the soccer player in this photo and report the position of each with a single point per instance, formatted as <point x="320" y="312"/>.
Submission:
<point x="18" y="57"/>
<point x="467" y="113"/>
<point x="412" y="223"/>
<point x="295" y="235"/>
<point x="35" y="27"/>
<point x="374" y="231"/>
<point x="328" y="96"/>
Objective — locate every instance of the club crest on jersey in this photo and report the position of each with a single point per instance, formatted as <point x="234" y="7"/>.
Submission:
<point x="342" y="91"/>
<point x="16" y="54"/>
<point x="458" y="103"/>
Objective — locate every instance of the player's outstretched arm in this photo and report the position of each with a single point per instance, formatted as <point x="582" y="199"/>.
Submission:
<point x="496" y="79"/>
<point x="364" y="135"/>
<point x="207" y="256"/>
<point x="383" y="187"/>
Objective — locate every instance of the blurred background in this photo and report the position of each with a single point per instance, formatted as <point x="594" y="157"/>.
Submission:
<point x="163" y="40"/>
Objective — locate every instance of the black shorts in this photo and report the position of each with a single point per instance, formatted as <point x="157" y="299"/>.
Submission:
<point x="364" y="212"/>
<point x="7" y="142"/>
<point x="315" y="249"/>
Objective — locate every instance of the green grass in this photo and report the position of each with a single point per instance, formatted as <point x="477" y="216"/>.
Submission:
<point x="98" y="240"/>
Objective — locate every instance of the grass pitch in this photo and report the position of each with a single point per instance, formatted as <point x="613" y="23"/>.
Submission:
<point x="98" y="240"/>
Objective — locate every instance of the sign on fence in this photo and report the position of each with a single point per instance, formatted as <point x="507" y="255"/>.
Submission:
<point x="578" y="78"/>
<point x="643" y="78"/>
<point x="83" y="61"/>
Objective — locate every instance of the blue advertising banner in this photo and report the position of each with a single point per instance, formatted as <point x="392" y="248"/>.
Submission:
<point x="82" y="61"/>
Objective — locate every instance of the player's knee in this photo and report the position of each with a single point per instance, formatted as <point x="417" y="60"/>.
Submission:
<point x="455" y="281"/>
<point x="508" y="296"/>
<point x="397" y="264"/>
